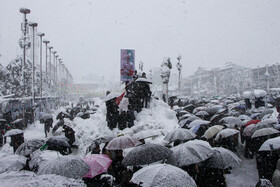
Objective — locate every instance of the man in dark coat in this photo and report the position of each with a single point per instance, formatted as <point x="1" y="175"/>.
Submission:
<point x="70" y="134"/>
<point x="112" y="113"/>
<point x="122" y="121"/>
<point x="16" y="141"/>
<point x="130" y="116"/>
<point x="48" y="124"/>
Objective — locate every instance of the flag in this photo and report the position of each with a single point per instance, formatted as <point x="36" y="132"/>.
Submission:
<point x="119" y="99"/>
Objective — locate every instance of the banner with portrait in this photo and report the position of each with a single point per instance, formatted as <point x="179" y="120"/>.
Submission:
<point x="127" y="64"/>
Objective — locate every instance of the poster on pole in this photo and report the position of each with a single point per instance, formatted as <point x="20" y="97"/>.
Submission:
<point x="127" y="64"/>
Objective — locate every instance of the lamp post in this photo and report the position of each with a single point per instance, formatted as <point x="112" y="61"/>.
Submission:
<point x="50" y="61"/>
<point x="24" y="11"/>
<point x="53" y="73"/>
<point x="46" y="42"/>
<point x="41" y="79"/>
<point x="33" y="25"/>
<point x="55" y="77"/>
<point x="179" y="68"/>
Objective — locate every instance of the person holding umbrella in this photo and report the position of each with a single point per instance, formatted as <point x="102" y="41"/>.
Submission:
<point x="69" y="133"/>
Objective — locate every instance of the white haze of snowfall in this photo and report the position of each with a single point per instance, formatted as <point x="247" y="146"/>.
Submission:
<point x="158" y="116"/>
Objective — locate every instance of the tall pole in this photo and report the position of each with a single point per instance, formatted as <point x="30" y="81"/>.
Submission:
<point x="41" y="71"/>
<point x="179" y="67"/>
<point x="53" y="74"/>
<point x="24" y="11"/>
<point x="50" y="55"/>
<point x="33" y="25"/>
<point x="46" y="73"/>
<point x="56" y="87"/>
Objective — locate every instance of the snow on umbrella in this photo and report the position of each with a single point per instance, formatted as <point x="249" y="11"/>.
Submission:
<point x="232" y="120"/>
<point x="3" y="121"/>
<point x="111" y="96"/>
<point x="146" y="154"/>
<point x="192" y="152"/>
<point x="222" y="159"/>
<point x="271" y="144"/>
<point x="266" y="124"/>
<point x="58" y="141"/>
<point x="255" y="115"/>
<point x="67" y="166"/>
<point x="265" y="113"/>
<point x="264" y="132"/>
<point x="104" y="139"/>
<point x="202" y="113"/>
<point x="213" y="109"/>
<point x="244" y="117"/>
<point x="197" y="109"/>
<point x="38" y="158"/>
<point x="226" y="133"/>
<point x="46" y="116"/>
<point x="189" y="108"/>
<point x="212" y="131"/>
<point x="63" y="114"/>
<point x="12" y="163"/>
<point x="17" y="121"/>
<point x="198" y="122"/>
<point x="29" y="147"/>
<point x="163" y="175"/>
<point x="98" y="163"/>
<point x="187" y="121"/>
<point x="14" y="132"/>
<point x="122" y="142"/>
<point x="143" y="80"/>
<point x="185" y="116"/>
<point x="179" y="134"/>
<point x="255" y="121"/>
<point x="146" y="134"/>
<point x="249" y="130"/>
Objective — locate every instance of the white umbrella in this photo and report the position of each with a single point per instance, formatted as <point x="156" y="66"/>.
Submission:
<point x="244" y="117"/>
<point x="12" y="163"/>
<point x="212" y="131"/>
<point x="202" y="113"/>
<point x="122" y="142"/>
<point x="163" y="175"/>
<point x="198" y="122"/>
<point x="179" y="134"/>
<point x="226" y="133"/>
<point x="143" y="80"/>
<point x="192" y="152"/>
<point x="39" y="158"/>
<point x="14" y="132"/>
<point x="111" y="96"/>
<point x="232" y="120"/>
<point x="271" y="144"/>
<point x="264" y="132"/>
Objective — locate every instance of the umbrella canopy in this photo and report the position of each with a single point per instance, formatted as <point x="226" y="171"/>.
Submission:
<point x="58" y="141"/>
<point x="192" y="152"/>
<point x="265" y="112"/>
<point x="17" y="121"/>
<point x="244" y="117"/>
<point x="202" y="113"/>
<point x="179" y="134"/>
<point x="146" y="154"/>
<point x="264" y="132"/>
<point x="187" y="121"/>
<point x="185" y="116"/>
<point x="271" y="144"/>
<point x="226" y="133"/>
<point x="249" y="130"/>
<point x="198" y="122"/>
<point x="222" y="159"/>
<point x="255" y="121"/>
<point x="67" y="166"/>
<point x="111" y="96"/>
<point x="197" y="109"/>
<point x="14" y="132"/>
<point x="3" y="121"/>
<point x="163" y="175"/>
<point x="255" y="116"/>
<point x="38" y="158"/>
<point x="46" y="116"/>
<point x="29" y="147"/>
<point x="122" y="142"/>
<point x="214" y="109"/>
<point x="98" y="164"/>
<point x="143" y="80"/>
<point x="232" y="120"/>
<point x="12" y="163"/>
<point x="146" y="134"/>
<point x="63" y="114"/>
<point x="104" y="139"/>
<point x="212" y="131"/>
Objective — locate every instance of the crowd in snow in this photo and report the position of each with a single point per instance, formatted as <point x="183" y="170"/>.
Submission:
<point x="196" y="143"/>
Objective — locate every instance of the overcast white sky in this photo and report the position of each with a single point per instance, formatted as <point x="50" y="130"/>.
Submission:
<point x="88" y="34"/>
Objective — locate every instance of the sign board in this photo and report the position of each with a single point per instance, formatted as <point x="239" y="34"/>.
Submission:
<point x="127" y="64"/>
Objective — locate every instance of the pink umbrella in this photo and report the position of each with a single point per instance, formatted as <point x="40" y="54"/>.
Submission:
<point x="249" y="130"/>
<point x="98" y="164"/>
<point x="122" y="142"/>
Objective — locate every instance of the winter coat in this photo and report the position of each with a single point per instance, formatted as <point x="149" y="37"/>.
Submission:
<point x="16" y="141"/>
<point x="276" y="175"/>
<point x="70" y="134"/>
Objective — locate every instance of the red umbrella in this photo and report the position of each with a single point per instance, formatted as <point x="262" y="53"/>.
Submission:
<point x="255" y="121"/>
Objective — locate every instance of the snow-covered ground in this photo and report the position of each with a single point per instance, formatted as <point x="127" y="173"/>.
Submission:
<point x="158" y="117"/>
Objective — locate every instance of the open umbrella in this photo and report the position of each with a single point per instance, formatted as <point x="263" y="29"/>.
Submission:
<point x="222" y="159"/>
<point x="63" y="114"/>
<point x="271" y="144"/>
<point x="202" y="113"/>
<point x="12" y="163"/>
<point x="58" y="141"/>
<point x="29" y="147"/>
<point x="185" y="116"/>
<point x="213" y="109"/>
<point x="198" y="122"/>
<point x="212" y="131"/>
<point x="255" y="121"/>
<point x="98" y="163"/>
<point x="192" y="152"/>
<point x="14" y="132"/>
<point x="249" y="130"/>
<point x="232" y="120"/>
<point x="146" y="154"/>
<point x="46" y="116"/>
<point x="143" y="80"/>
<point x="111" y="96"/>
<point x="179" y="134"/>
<point x="187" y="121"/>
<point x="226" y="133"/>
<point x="146" y="134"/>
<point x="255" y="115"/>
<point x="265" y="112"/>
<point x="244" y="117"/>
<point x="264" y="132"/>
<point x="163" y="175"/>
<point x="122" y="142"/>
<point x="67" y="166"/>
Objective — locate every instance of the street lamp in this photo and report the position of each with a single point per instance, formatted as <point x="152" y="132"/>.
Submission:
<point x="53" y="73"/>
<point x="50" y="54"/>
<point x="33" y="25"/>
<point x="179" y="68"/>
<point x="55" y="77"/>
<point x="41" y="82"/>
<point x="24" y="11"/>
<point x="46" y="42"/>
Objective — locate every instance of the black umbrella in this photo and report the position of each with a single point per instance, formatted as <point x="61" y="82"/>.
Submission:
<point x="62" y="115"/>
<point x="146" y="154"/>
<point x="58" y="141"/>
<point x="29" y="147"/>
<point x="57" y="125"/>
